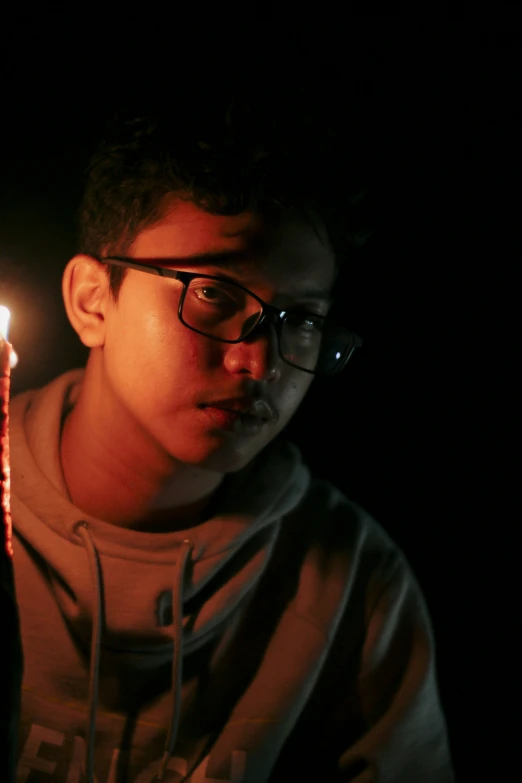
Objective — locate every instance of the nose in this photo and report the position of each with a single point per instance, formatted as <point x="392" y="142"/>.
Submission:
<point x="257" y="355"/>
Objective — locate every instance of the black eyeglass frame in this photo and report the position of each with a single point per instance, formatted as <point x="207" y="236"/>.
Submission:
<point x="279" y="316"/>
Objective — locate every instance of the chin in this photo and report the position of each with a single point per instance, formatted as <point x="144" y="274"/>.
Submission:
<point x="215" y="451"/>
<point x="222" y="457"/>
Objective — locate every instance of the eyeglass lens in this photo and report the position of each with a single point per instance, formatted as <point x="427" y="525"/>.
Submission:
<point x="224" y="311"/>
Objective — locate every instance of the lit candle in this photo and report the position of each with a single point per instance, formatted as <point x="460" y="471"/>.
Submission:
<point x="12" y="660"/>
<point x="6" y="352"/>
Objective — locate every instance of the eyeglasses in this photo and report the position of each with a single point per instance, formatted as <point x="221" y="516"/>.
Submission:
<point x="227" y="312"/>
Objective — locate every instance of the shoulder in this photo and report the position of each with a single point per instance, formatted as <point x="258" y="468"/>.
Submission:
<point x="339" y="547"/>
<point x="331" y="521"/>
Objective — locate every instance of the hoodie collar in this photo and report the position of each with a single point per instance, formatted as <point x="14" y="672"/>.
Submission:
<point x="269" y="487"/>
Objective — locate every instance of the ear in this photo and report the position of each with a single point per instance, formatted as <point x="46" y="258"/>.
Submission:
<point x="86" y="293"/>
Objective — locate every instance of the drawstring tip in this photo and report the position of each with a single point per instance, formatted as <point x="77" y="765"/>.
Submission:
<point x="163" y="766"/>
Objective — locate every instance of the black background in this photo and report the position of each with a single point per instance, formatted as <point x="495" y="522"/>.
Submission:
<point x="415" y="431"/>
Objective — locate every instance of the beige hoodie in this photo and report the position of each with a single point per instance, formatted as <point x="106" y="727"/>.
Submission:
<point x="285" y="639"/>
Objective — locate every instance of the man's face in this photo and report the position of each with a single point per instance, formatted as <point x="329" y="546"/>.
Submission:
<point x="164" y="375"/>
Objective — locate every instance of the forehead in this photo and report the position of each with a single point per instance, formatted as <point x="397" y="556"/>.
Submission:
<point x="284" y="254"/>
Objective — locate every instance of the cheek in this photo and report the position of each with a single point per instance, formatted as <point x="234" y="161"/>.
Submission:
<point x="293" y="393"/>
<point x="196" y="356"/>
<point x="140" y="352"/>
<point x="178" y="360"/>
<point x="157" y="350"/>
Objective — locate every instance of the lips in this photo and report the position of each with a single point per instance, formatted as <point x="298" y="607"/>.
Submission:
<point x="247" y="406"/>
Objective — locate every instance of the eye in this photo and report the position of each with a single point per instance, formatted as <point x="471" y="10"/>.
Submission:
<point x="305" y="322"/>
<point x="214" y="295"/>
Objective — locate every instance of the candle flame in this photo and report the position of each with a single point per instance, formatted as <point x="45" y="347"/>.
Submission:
<point x="4" y="321"/>
<point x="5" y="315"/>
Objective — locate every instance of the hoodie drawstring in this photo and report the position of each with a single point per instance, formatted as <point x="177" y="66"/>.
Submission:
<point x="177" y="658"/>
<point x="96" y="576"/>
<point x="187" y="545"/>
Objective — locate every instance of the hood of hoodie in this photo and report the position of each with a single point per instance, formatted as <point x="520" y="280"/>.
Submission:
<point x="253" y="502"/>
<point x="101" y="574"/>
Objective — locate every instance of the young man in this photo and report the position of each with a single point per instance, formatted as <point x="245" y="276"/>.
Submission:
<point x="194" y="606"/>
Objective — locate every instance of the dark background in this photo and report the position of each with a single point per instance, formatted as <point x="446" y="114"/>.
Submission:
<point x="414" y="430"/>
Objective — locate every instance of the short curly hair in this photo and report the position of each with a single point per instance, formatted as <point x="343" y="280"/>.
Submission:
<point x="227" y="155"/>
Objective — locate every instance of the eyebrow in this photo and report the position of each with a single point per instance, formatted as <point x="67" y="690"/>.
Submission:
<point x="229" y="259"/>
<point x="311" y="292"/>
